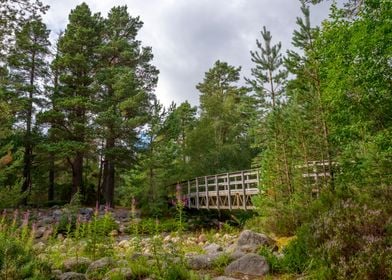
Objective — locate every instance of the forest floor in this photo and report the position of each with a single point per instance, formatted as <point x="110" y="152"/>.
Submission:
<point x="83" y="243"/>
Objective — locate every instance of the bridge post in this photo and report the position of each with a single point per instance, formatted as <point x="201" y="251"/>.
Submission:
<point x="189" y="194"/>
<point x="217" y="191"/>
<point x="197" y="193"/>
<point x="228" y="190"/>
<point x="207" y="196"/>
<point x="243" y="190"/>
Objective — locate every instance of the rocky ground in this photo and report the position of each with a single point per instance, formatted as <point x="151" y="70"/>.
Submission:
<point x="211" y="255"/>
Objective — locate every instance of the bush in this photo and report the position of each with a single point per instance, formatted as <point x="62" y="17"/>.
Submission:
<point x="17" y="260"/>
<point x="354" y="240"/>
<point x="296" y="257"/>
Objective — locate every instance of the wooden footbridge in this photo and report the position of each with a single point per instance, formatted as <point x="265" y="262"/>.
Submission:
<point x="235" y="190"/>
<point x="221" y="191"/>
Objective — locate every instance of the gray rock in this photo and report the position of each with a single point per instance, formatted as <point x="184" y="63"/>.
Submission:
<point x="250" y="264"/>
<point x="39" y="247"/>
<point x="57" y="213"/>
<point x="123" y="273"/>
<point x="72" y="276"/>
<point x="86" y="211"/>
<point x="224" y="278"/>
<point x="44" y="221"/>
<point x="250" y="241"/>
<point x="137" y="256"/>
<point x="100" y="267"/>
<point x="198" y="262"/>
<point x="79" y="264"/>
<point x="212" y="248"/>
<point x="237" y="254"/>
<point x="39" y="232"/>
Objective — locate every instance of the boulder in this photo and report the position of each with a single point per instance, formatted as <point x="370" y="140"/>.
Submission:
<point x="39" y="247"/>
<point x="198" y="262"/>
<point x="250" y="264"/>
<point x="100" y="267"/>
<point x="72" y="276"/>
<point x="202" y="238"/>
<point x="39" y="232"/>
<point x="212" y="248"/>
<point x="79" y="264"/>
<point x="86" y="211"/>
<point x="237" y="254"/>
<point x="224" y="278"/>
<point x="250" y="241"/>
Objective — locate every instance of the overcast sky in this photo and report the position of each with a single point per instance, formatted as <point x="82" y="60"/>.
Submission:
<point x="188" y="36"/>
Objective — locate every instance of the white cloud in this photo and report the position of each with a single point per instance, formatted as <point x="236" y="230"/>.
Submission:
<point x="187" y="36"/>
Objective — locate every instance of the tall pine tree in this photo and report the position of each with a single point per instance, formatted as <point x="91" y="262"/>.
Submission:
<point x="127" y="80"/>
<point x="28" y="65"/>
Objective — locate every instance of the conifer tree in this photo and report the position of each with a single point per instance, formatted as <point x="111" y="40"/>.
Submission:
<point x="268" y="75"/>
<point x="76" y="63"/>
<point x="268" y="84"/>
<point x="219" y="142"/>
<point x="307" y="89"/>
<point x="29" y="66"/>
<point x="127" y="81"/>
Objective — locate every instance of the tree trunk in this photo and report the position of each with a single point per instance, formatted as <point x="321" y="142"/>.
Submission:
<point x="51" y="178"/>
<point x="109" y="173"/>
<point x="27" y="158"/>
<point x="77" y="173"/>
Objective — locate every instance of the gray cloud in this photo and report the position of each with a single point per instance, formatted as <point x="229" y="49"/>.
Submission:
<point x="188" y="36"/>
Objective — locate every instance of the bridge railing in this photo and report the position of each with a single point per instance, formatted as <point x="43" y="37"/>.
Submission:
<point x="226" y="190"/>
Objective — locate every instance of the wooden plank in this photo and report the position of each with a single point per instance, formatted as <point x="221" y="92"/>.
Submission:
<point x="229" y="190"/>
<point x="217" y="192"/>
<point x="244" y="191"/>
<point x="197" y="193"/>
<point x="207" y="197"/>
<point x="189" y="193"/>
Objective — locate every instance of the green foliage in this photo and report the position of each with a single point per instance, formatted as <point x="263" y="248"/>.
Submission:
<point x="295" y="258"/>
<point x="355" y="240"/>
<point x="219" y="142"/>
<point x="220" y="263"/>
<point x="153" y="226"/>
<point x="17" y="258"/>
<point x="177" y="271"/>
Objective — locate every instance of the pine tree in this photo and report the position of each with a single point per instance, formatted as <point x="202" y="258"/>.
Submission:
<point x="28" y="65"/>
<point x="268" y="84"/>
<point x="76" y="64"/>
<point x="307" y="89"/>
<point x="127" y="80"/>
<point x="219" y="142"/>
<point x="268" y="75"/>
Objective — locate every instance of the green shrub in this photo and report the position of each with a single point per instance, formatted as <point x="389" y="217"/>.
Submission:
<point x="140" y="269"/>
<point x="221" y="262"/>
<point x="354" y="240"/>
<point x="296" y="257"/>
<point x="275" y="263"/>
<point x="176" y="272"/>
<point x="17" y="260"/>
